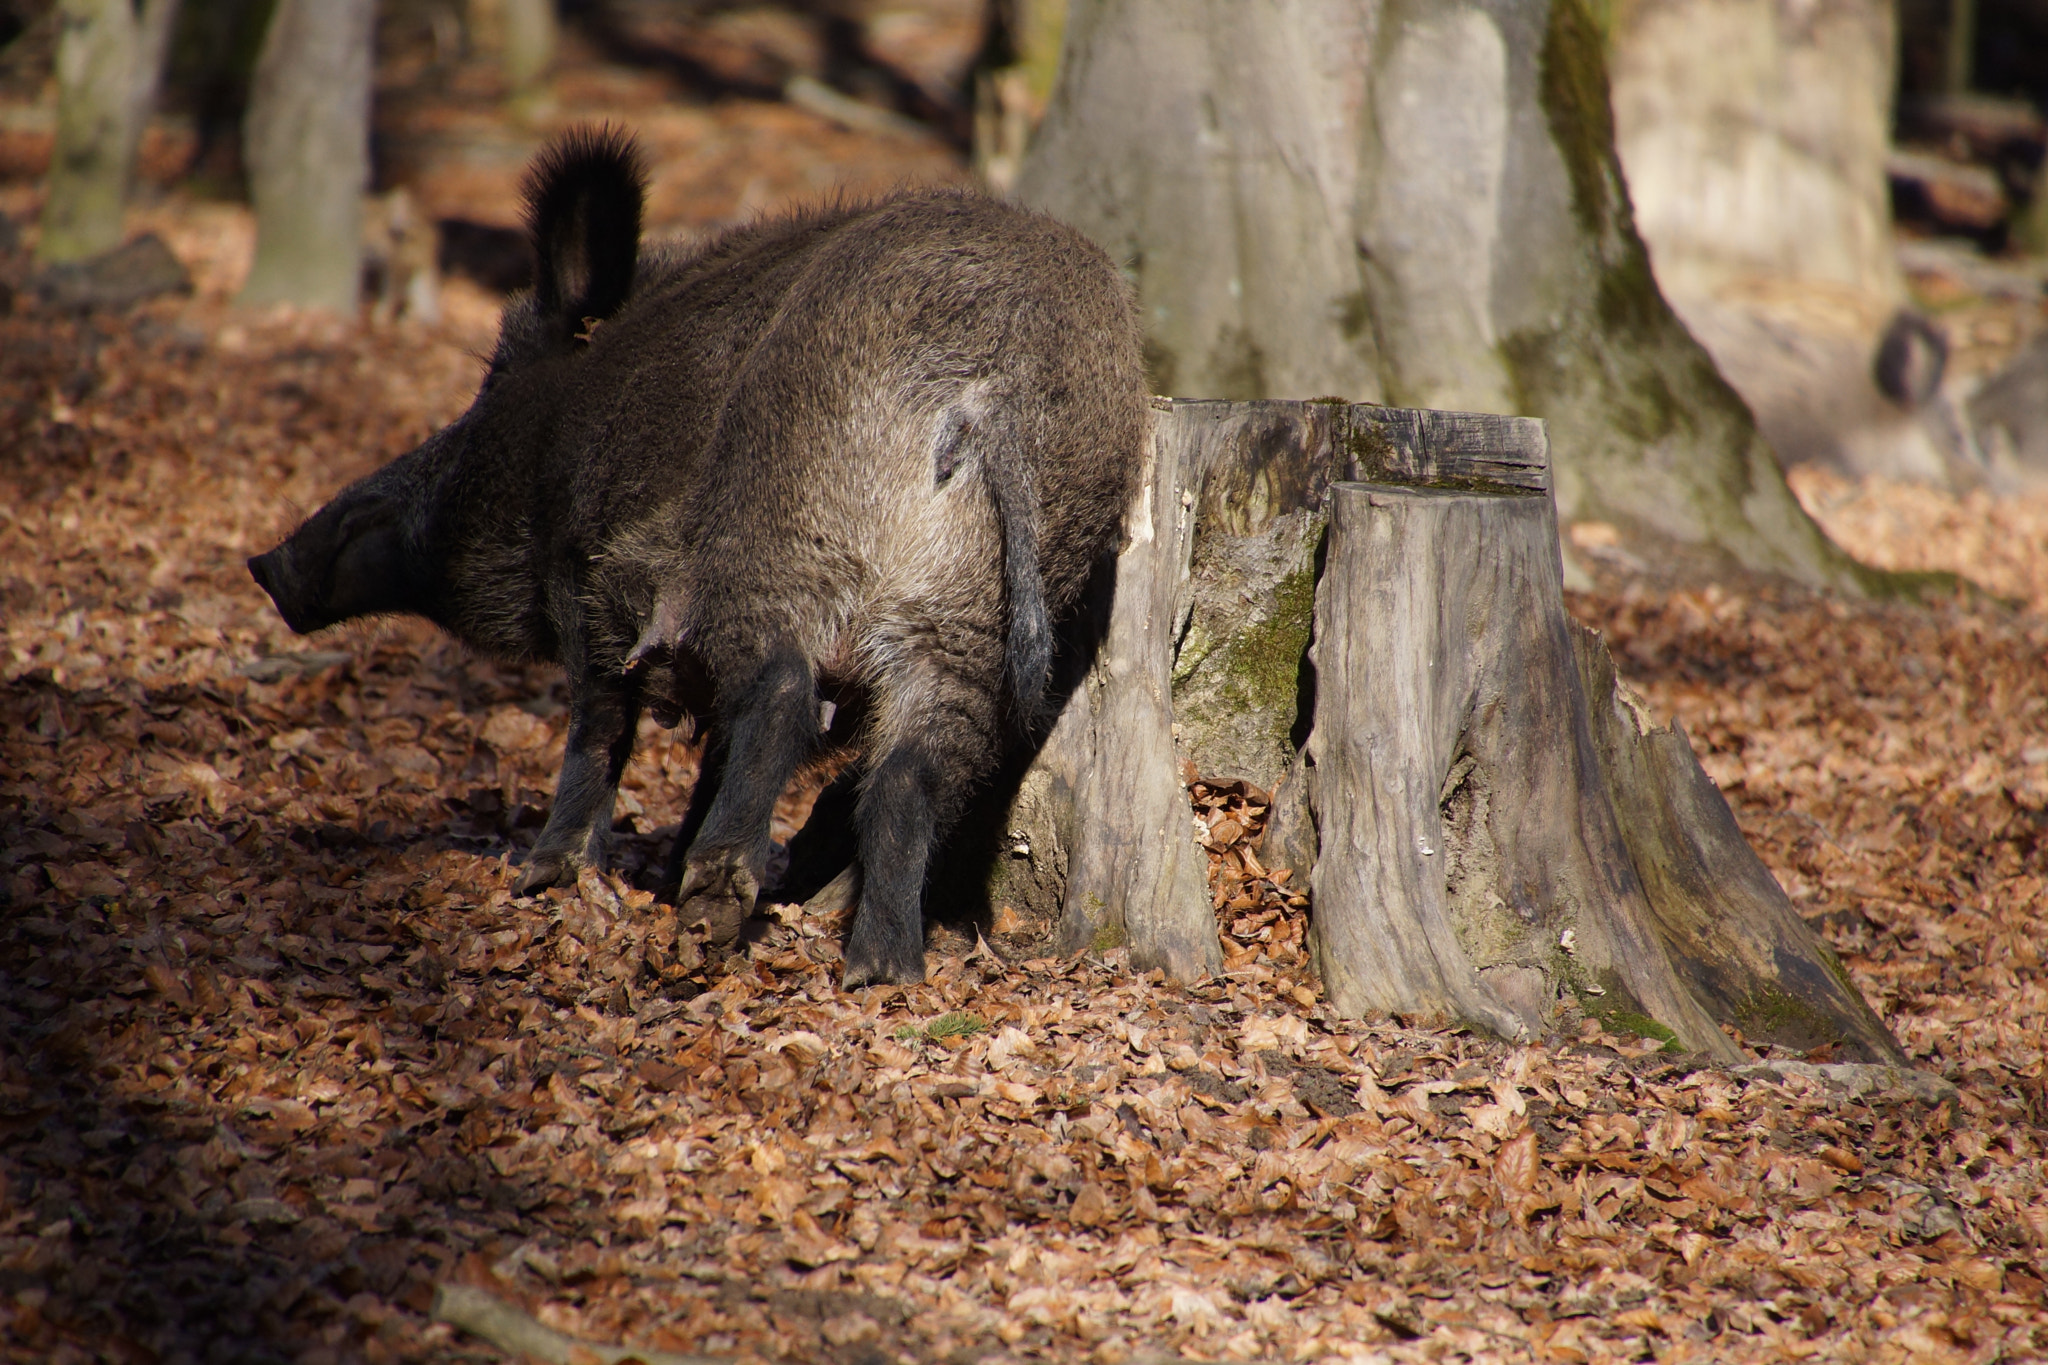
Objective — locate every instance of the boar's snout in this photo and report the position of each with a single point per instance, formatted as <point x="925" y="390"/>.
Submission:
<point x="348" y="560"/>
<point x="272" y="571"/>
<point x="263" y="568"/>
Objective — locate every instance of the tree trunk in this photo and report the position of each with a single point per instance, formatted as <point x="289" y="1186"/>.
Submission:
<point x="1417" y="200"/>
<point x="2031" y="226"/>
<point x="1490" y="828"/>
<point x="1959" y="63"/>
<point x="1469" y="863"/>
<point x="529" y="41"/>
<point x="110" y="55"/>
<point x="1502" y="831"/>
<point x="307" y="140"/>
<point x="520" y="33"/>
<point x="1012" y="82"/>
<point x="1754" y="138"/>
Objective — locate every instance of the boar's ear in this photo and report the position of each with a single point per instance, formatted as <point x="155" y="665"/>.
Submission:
<point x="583" y="199"/>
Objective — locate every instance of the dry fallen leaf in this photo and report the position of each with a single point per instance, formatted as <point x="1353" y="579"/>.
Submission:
<point x="1515" y="1165"/>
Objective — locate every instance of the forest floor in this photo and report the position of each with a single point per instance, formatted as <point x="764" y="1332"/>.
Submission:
<point x="279" y="1051"/>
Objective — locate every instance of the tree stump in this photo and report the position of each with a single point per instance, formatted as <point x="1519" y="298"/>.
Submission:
<point x="1359" y="610"/>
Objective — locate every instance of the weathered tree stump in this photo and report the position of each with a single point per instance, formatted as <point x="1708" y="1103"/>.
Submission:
<point x="1359" y="609"/>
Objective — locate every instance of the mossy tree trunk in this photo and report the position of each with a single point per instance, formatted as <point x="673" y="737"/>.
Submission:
<point x="1417" y="201"/>
<point x="307" y="140"/>
<point x="110" y="55"/>
<point x="1362" y="607"/>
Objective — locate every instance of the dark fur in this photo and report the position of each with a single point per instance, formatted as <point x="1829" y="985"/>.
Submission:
<point x="871" y="450"/>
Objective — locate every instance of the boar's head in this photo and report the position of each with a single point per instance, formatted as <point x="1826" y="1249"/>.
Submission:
<point x="385" y="544"/>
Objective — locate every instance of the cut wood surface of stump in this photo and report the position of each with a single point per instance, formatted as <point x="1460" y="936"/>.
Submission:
<point x="1358" y="612"/>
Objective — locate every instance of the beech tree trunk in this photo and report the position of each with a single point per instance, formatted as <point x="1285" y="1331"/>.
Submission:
<point x="520" y="33"/>
<point x="307" y="141"/>
<point x="1363" y="607"/>
<point x="1754" y="136"/>
<point x="1417" y="201"/>
<point x="110" y="55"/>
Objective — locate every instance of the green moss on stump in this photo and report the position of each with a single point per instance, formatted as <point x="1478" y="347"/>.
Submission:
<point x="1260" y="665"/>
<point x="1773" y="1016"/>
<point x="1109" y="937"/>
<point x="1370" y="450"/>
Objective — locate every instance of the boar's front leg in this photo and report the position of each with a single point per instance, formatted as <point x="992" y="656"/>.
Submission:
<point x="766" y="726"/>
<point x="603" y="714"/>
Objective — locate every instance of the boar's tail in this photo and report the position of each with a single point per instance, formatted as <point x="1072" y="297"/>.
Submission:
<point x="1028" y="650"/>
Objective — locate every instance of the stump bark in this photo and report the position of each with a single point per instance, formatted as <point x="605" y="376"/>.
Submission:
<point x="1359" y="611"/>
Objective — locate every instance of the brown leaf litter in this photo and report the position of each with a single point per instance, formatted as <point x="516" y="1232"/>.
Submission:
<point x="280" y="1054"/>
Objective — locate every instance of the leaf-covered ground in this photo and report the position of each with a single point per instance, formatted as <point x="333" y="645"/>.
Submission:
<point x="279" y="1052"/>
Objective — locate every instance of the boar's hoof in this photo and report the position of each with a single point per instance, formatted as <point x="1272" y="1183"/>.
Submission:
<point x="720" y="917"/>
<point x="717" y="897"/>
<point x="877" y="964"/>
<point x="544" y="870"/>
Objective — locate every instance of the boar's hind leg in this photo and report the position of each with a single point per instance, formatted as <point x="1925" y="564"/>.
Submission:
<point x="911" y="798"/>
<point x="602" y="720"/>
<point x="765" y="729"/>
<point x="895" y="826"/>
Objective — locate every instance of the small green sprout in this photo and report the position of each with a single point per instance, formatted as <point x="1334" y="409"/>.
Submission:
<point x="957" y="1024"/>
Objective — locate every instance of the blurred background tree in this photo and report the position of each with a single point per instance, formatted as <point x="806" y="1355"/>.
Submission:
<point x="518" y="33"/>
<point x="1019" y="62"/>
<point x="307" y="143"/>
<point x="1754" y="137"/>
<point x="110" y="54"/>
<point x="1414" y="201"/>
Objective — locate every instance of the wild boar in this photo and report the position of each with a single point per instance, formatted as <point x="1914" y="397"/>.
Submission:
<point x="865" y="453"/>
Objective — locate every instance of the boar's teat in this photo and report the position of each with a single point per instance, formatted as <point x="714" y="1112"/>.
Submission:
<point x="663" y="633"/>
<point x="950" y="446"/>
